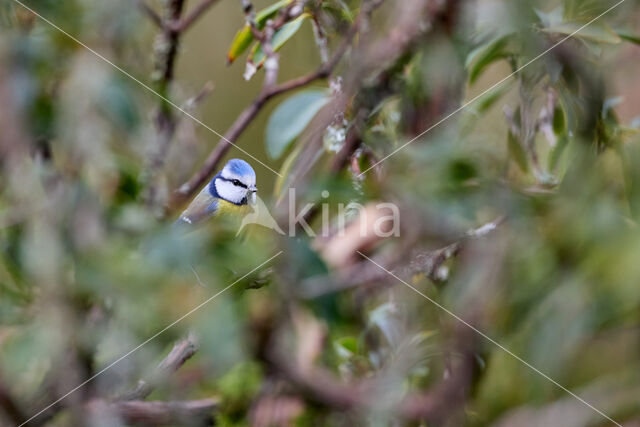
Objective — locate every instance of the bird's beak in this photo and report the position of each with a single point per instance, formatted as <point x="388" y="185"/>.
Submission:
<point x="253" y="189"/>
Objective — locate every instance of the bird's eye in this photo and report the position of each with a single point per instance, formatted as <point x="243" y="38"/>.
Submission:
<point x="236" y="182"/>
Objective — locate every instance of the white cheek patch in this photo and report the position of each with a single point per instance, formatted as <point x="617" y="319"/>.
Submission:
<point x="227" y="191"/>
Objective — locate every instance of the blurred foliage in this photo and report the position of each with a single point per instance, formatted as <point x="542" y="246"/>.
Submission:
<point x="88" y="271"/>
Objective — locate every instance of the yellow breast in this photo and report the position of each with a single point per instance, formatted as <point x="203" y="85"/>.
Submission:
<point x="228" y="208"/>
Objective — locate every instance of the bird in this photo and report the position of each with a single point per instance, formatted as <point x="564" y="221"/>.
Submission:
<point x="230" y="191"/>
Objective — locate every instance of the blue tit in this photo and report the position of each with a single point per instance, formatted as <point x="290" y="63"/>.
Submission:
<point x="229" y="192"/>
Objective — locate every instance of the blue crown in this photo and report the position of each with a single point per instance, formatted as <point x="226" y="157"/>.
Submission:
<point x="240" y="167"/>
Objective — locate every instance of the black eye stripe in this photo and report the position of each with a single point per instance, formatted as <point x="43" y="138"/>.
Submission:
<point x="234" y="182"/>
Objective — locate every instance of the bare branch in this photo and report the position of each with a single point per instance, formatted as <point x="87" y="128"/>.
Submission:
<point x="153" y="16"/>
<point x="196" y="100"/>
<point x="427" y="262"/>
<point x="185" y="23"/>
<point x="166" y="51"/>
<point x="182" y="351"/>
<point x="193" y="412"/>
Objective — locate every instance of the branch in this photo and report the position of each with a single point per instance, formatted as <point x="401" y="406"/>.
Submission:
<point x="182" y="351"/>
<point x="192" y="412"/>
<point x="428" y="263"/>
<point x="176" y="25"/>
<point x="186" y="22"/>
<point x="166" y="51"/>
<point x="155" y="18"/>
<point x="196" y="100"/>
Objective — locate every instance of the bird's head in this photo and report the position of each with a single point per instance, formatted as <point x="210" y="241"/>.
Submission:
<point x="235" y="183"/>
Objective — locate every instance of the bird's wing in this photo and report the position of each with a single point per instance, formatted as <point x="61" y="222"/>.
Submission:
<point x="203" y="206"/>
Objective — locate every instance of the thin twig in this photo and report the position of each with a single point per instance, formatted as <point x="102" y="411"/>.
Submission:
<point x="185" y="23"/>
<point x="196" y="100"/>
<point x="193" y="412"/>
<point x="153" y="16"/>
<point x="427" y="262"/>
<point x="182" y="351"/>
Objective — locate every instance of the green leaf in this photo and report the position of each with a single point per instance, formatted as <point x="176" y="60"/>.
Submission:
<point x="340" y="7"/>
<point x="598" y="32"/>
<point x="517" y="152"/>
<point x="627" y="36"/>
<point x="486" y="55"/>
<point x="244" y="36"/>
<point x="269" y="12"/>
<point x="346" y="347"/>
<point x="242" y="380"/>
<point x="280" y="37"/>
<point x="630" y="157"/>
<point x="290" y="118"/>
<point x="559" y="121"/>
<point x="489" y="99"/>
<point x="240" y="43"/>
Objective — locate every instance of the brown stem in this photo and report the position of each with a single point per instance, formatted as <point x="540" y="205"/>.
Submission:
<point x="165" y="121"/>
<point x="196" y="100"/>
<point x="182" y="351"/>
<point x="137" y="412"/>
<point x="426" y="262"/>
<point x="197" y="12"/>
<point x="155" y="18"/>
<point x="172" y="38"/>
